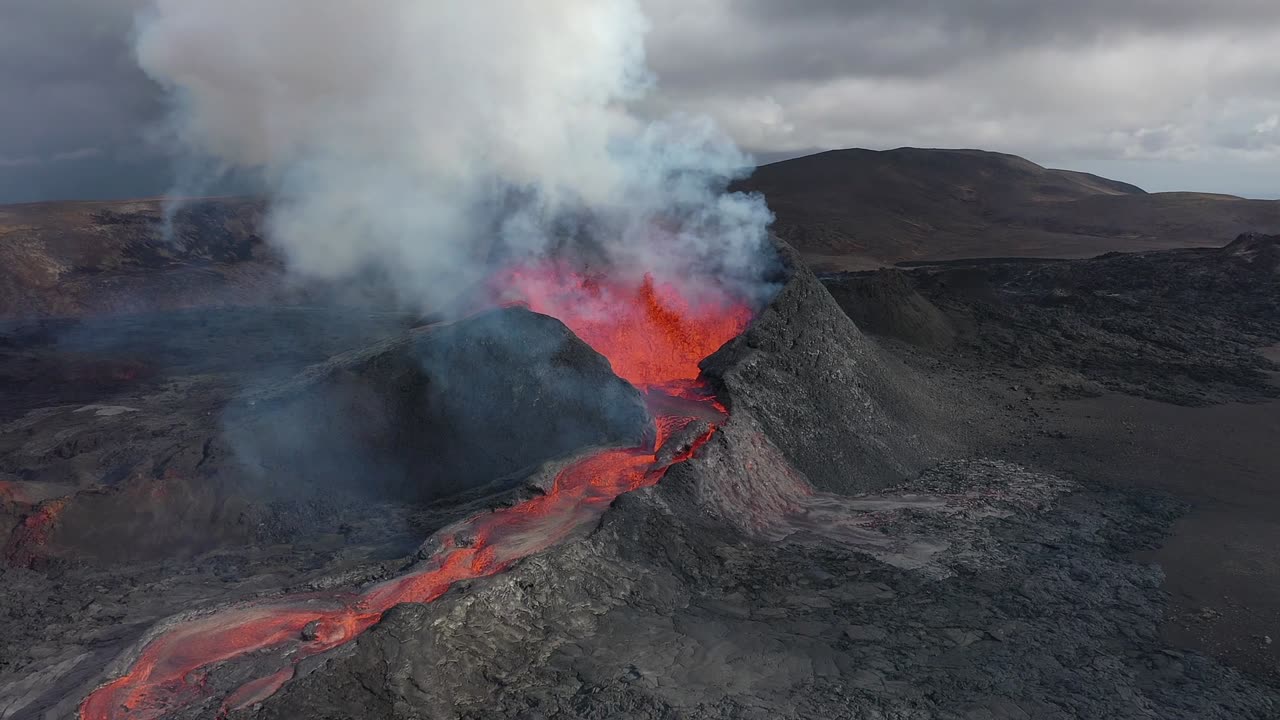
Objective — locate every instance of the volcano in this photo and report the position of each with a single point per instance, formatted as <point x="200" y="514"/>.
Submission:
<point x="654" y="338"/>
<point x="693" y="357"/>
<point x="759" y="511"/>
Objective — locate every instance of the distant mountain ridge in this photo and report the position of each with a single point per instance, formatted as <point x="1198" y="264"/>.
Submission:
<point x="852" y="209"/>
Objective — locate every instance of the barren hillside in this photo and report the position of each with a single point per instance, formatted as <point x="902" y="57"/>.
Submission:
<point x="855" y="209"/>
<point x="75" y="258"/>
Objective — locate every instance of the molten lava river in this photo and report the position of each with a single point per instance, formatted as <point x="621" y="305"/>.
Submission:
<point x="653" y="335"/>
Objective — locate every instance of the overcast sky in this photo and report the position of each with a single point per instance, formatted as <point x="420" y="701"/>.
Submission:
<point x="1168" y="94"/>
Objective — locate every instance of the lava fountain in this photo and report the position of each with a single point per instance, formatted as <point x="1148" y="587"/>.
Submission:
<point x="653" y="334"/>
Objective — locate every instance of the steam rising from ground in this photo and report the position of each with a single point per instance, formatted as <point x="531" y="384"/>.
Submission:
<point x="419" y="139"/>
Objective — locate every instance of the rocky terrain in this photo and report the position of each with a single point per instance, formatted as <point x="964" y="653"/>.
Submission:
<point x="956" y="488"/>
<point x="71" y="258"/>
<point x="1181" y="326"/>
<point x="1154" y="372"/>
<point x="919" y="525"/>
<point x="740" y="587"/>
<point x="861" y="209"/>
<point x="187" y="488"/>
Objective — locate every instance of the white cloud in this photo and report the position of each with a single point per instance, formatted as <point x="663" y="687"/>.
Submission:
<point x="1123" y="83"/>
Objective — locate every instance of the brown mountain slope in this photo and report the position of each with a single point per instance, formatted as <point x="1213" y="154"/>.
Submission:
<point x="73" y="258"/>
<point x="851" y="209"/>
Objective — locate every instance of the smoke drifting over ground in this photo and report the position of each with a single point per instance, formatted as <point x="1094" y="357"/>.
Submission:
<point x="425" y="139"/>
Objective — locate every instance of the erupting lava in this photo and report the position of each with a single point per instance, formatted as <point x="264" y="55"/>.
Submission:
<point x="653" y="335"/>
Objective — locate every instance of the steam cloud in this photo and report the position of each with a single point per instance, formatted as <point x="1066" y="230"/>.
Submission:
<point x="416" y="138"/>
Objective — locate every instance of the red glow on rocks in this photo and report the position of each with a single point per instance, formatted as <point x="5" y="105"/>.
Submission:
<point x="652" y="335"/>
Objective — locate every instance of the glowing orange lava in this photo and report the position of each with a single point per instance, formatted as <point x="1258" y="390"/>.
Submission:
<point x="652" y="332"/>
<point x="652" y="335"/>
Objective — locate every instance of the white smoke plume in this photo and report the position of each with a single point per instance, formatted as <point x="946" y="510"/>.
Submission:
<point x="408" y="136"/>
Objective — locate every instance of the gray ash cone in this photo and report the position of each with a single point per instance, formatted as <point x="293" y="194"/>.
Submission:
<point x="844" y="413"/>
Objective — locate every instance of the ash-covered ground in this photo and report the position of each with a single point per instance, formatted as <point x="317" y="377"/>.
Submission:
<point x="923" y="522"/>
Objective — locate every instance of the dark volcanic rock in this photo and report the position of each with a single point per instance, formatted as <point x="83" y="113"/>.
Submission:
<point x="302" y="488"/>
<point x="445" y="409"/>
<point x="978" y="589"/>
<point x="123" y="417"/>
<point x="89" y="258"/>
<point x="974" y="591"/>
<point x="1259" y="251"/>
<point x="169" y="470"/>
<point x="665" y="611"/>
<point x="103" y="359"/>
<point x="886" y="303"/>
<point x="1182" y="326"/>
<point x="846" y="414"/>
<point x="734" y="589"/>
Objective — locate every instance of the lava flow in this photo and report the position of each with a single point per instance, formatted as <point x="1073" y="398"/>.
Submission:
<point x="652" y="335"/>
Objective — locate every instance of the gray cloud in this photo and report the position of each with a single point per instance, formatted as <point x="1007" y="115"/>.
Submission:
<point x="1166" y="93"/>
<point x="69" y="77"/>
<point x="1263" y="136"/>
<point x="76" y="108"/>
<point x="749" y="42"/>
